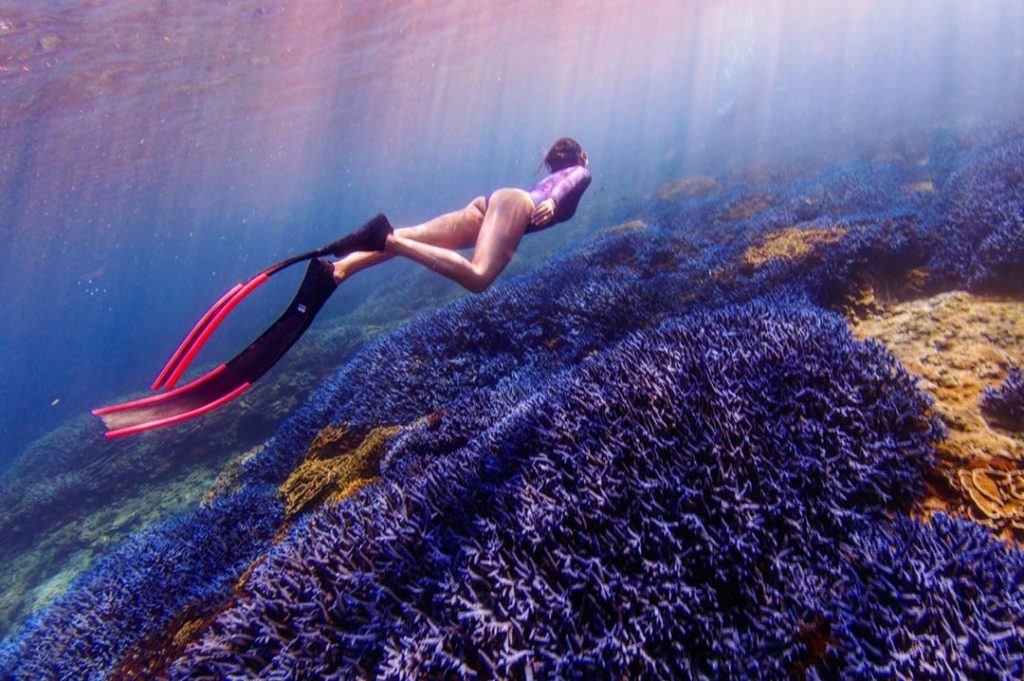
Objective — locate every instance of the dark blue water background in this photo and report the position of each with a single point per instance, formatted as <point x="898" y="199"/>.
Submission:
<point x="154" y="153"/>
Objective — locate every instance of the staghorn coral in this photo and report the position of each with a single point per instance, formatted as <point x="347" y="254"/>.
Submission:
<point x="140" y="586"/>
<point x="629" y="474"/>
<point x="982" y="226"/>
<point x="541" y="323"/>
<point x="1005" y="406"/>
<point x="674" y="506"/>
<point x="934" y="600"/>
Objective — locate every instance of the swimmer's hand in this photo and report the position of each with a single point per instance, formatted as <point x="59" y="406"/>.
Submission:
<point x="543" y="213"/>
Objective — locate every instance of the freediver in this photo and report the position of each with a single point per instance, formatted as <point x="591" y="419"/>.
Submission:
<point x="492" y="226"/>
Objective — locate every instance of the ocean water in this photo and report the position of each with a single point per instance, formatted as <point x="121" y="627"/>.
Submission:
<point x="152" y="154"/>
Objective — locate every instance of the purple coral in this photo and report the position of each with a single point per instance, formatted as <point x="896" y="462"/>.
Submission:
<point x="637" y="472"/>
<point x="674" y="506"/>
<point x="982" y="229"/>
<point x="140" y="586"/>
<point x="1005" y="406"/>
<point x="929" y="600"/>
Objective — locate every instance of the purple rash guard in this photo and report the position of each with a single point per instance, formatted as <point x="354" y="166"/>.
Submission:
<point x="565" y="187"/>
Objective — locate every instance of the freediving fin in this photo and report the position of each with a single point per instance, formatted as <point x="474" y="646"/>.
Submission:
<point x="371" y="236"/>
<point x="233" y="378"/>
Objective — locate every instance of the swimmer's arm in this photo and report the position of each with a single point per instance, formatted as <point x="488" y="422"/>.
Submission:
<point x="575" y="182"/>
<point x="543" y="213"/>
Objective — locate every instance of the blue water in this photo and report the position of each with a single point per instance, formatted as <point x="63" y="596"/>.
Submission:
<point x="153" y="153"/>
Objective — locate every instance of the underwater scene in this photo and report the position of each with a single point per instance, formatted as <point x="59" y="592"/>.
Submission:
<point x="651" y="340"/>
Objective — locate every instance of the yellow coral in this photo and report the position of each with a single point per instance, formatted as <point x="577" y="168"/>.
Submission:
<point x="998" y="494"/>
<point x="925" y="186"/>
<point x="747" y="207"/>
<point x="188" y="631"/>
<point x="688" y="187"/>
<point x="333" y="465"/>
<point x="959" y="344"/>
<point x="791" y="243"/>
<point x="352" y="487"/>
<point x="331" y="440"/>
<point x="630" y="226"/>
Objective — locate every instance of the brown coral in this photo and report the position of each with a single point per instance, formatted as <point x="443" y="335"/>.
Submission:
<point x="925" y="186"/>
<point x="792" y="243"/>
<point x="747" y="207"/>
<point x="629" y="226"/>
<point x="959" y="344"/>
<point x="688" y="187"/>
<point x="336" y="460"/>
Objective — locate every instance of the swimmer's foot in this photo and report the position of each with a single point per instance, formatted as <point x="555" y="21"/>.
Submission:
<point x="370" y="237"/>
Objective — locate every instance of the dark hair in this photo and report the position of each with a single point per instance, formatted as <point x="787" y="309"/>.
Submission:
<point x="563" y="153"/>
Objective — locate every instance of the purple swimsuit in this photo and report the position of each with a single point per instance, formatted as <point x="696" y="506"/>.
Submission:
<point x="565" y="187"/>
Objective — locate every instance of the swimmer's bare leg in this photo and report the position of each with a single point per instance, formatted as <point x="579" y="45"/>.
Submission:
<point x="508" y="215"/>
<point x="458" y="229"/>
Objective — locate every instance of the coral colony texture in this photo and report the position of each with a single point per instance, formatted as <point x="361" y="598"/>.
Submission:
<point x="1006" y="405"/>
<point x="664" y="454"/>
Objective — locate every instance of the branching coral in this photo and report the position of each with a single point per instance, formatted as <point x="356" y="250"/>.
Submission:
<point x="935" y="600"/>
<point x="676" y="505"/>
<point x="136" y="589"/>
<point x="631" y="470"/>
<point x="1006" y="405"/>
<point x="982" y="225"/>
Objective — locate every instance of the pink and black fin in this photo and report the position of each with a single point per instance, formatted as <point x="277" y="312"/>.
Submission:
<point x="233" y="378"/>
<point x="369" y="237"/>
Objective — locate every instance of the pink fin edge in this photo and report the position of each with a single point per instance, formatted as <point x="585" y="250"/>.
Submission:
<point x="170" y="420"/>
<point x="161" y="397"/>
<point x="187" y="343"/>
<point x="212" y="326"/>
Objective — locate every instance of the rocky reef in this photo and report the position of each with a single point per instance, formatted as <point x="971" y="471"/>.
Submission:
<point x="764" y="426"/>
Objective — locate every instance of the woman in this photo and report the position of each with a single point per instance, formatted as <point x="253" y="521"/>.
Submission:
<point x="493" y="227"/>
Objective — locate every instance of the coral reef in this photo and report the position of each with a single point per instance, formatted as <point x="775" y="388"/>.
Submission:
<point x="982" y="225"/>
<point x="935" y="600"/>
<point x="659" y="455"/>
<point x="334" y="468"/>
<point x="1005" y="406"/>
<point x="688" y="187"/>
<point x="140" y="585"/>
<point x="960" y="345"/>
<point x="677" y="505"/>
